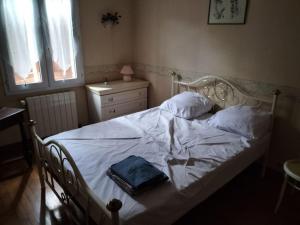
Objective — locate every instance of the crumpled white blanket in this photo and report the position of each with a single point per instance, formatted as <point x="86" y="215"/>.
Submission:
<point x="185" y="150"/>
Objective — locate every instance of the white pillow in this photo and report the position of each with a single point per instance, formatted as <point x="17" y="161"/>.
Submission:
<point x="187" y="105"/>
<point x="247" y="121"/>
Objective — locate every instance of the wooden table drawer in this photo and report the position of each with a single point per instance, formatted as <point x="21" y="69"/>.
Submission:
<point x="123" y="109"/>
<point x="123" y="97"/>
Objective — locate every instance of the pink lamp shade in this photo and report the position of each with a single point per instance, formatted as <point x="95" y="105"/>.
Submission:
<point x="127" y="72"/>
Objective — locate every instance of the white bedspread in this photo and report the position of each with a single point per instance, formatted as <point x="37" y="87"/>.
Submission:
<point x="187" y="151"/>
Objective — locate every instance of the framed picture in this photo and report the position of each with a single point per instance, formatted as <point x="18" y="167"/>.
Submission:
<point x="227" y="11"/>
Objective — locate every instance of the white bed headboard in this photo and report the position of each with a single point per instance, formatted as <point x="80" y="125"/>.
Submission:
<point x="222" y="92"/>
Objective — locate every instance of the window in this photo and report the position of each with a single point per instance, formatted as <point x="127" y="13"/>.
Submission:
<point x="40" y="44"/>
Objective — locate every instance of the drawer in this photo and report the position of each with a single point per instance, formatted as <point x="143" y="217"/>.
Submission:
<point x="123" y="97"/>
<point x="123" y="109"/>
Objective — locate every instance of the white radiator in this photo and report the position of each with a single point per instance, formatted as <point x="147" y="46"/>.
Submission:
<point x="53" y="113"/>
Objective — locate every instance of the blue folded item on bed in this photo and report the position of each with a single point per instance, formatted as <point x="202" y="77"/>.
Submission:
<point x="137" y="172"/>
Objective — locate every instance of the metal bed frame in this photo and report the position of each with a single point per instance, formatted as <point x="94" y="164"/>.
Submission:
<point x="57" y="169"/>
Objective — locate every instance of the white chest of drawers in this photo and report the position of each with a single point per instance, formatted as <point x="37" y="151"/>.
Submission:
<point x="117" y="98"/>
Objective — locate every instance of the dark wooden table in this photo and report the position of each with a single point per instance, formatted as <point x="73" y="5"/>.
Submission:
<point x="15" y="116"/>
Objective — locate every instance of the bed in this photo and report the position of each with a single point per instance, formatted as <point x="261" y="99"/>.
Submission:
<point x="197" y="158"/>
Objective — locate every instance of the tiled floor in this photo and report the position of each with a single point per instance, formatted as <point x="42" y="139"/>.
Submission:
<point x="247" y="200"/>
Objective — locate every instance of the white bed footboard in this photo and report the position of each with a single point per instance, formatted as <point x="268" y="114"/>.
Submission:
<point x="58" y="170"/>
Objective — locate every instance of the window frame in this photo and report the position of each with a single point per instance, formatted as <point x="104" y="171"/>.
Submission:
<point x="45" y="57"/>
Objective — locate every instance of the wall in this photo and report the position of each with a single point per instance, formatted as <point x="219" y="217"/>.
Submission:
<point x="174" y="34"/>
<point x="103" y="50"/>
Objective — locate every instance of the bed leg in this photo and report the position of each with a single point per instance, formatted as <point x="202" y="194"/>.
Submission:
<point x="36" y="153"/>
<point x="264" y="168"/>
<point x="114" y="206"/>
<point x="265" y="163"/>
<point x="266" y="157"/>
<point x="276" y="93"/>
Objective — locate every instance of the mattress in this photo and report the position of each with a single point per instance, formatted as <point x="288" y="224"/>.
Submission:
<point x="197" y="158"/>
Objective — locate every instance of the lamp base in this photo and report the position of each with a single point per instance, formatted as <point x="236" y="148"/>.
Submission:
<point x="127" y="78"/>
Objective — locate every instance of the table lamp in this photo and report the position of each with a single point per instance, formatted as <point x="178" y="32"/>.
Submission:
<point x="127" y="72"/>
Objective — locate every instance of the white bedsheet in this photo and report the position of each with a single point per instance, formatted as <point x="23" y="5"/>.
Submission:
<point x="187" y="151"/>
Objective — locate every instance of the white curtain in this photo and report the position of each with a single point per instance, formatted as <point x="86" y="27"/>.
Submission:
<point x="59" y="17"/>
<point x="21" y="35"/>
